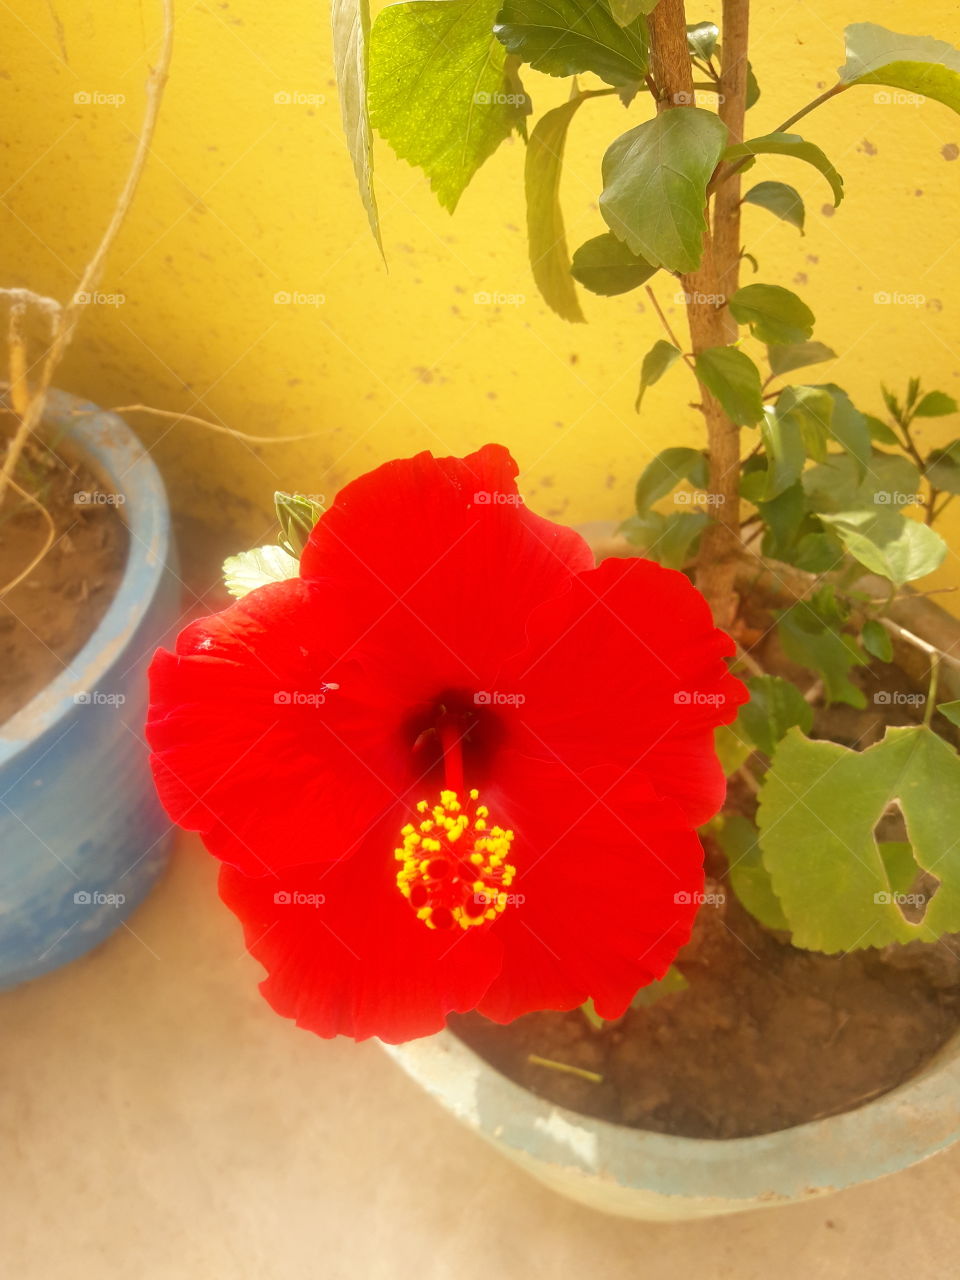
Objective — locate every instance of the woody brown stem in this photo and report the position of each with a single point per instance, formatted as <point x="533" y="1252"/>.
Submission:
<point x="709" y="285"/>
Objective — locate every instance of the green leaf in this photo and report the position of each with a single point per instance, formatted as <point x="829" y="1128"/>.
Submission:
<point x="889" y="543"/>
<point x="654" y="185"/>
<point x="546" y="236"/>
<point x="784" y="448"/>
<point x="732" y="747"/>
<point x="819" y="807"/>
<point x="879" y="431"/>
<point x="671" y="982"/>
<point x="825" y="649"/>
<point x="661" y="356"/>
<point x="838" y="484"/>
<point x="811" y="408"/>
<point x="773" y="313"/>
<point x="942" y="468"/>
<point x="753" y="88"/>
<point x="732" y="377"/>
<point x="951" y="710"/>
<point x="589" y="1011"/>
<point x="749" y="878"/>
<point x="781" y="200"/>
<point x="702" y="39"/>
<point x="668" y="469"/>
<point x="775" y="706"/>
<point x="915" y="64"/>
<point x="350" y="20"/>
<point x="245" y="572"/>
<point x="626" y="11"/>
<point x="789" y="144"/>
<point x="565" y="37"/>
<point x="875" y="638"/>
<point x="935" y="404"/>
<point x="849" y="427"/>
<point x="676" y="541"/>
<point x="296" y="514"/>
<point x="605" y="265"/>
<point x="786" y="356"/>
<point x="439" y="92"/>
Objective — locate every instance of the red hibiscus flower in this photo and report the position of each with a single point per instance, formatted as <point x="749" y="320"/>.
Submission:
<point x="453" y="765"/>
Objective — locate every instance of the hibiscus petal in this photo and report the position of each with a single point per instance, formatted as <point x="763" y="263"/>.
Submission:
<point x="346" y="955"/>
<point x="439" y="557"/>
<point x="253" y="750"/>
<point x="609" y="878"/>
<point x="626" y="665"/>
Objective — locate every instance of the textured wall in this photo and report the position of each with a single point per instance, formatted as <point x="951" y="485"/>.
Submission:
<point x="246" y="197"/>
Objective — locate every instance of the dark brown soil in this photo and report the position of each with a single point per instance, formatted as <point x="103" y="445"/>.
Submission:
<point x="765" y="1035"/>
<point x="47" y="618"/>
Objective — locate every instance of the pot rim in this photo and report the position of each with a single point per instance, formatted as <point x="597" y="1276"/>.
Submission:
<point x="110" y="446"/>
<point x="910" y="1123"/>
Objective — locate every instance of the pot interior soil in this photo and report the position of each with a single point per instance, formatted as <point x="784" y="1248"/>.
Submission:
<point x="48" y="617"/>
<point x="765" y="1035"/>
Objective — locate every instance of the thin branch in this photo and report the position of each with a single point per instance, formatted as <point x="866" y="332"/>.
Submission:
<point x="667" y="328"/>
<point x="173" y="415"/>
<point x="51" y="536"/>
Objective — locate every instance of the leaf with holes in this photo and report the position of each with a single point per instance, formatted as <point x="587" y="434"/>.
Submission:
<point x="439" y="91"/>
<point x="546" y="236"/>
<point x="655" y="185"/>
<point x="565" y="37"/>
<point x="605" y="265"/>
<point x="819" y="807"/>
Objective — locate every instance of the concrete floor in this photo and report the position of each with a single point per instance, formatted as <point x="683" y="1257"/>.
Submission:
<point x="159" y="1122"/>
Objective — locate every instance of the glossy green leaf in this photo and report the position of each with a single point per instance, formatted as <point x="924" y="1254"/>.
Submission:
<point x="749" y="878"/>
<point x="438" y="89"/>
<point x="732" y="377"/>
<point x="838" y="484"/>
<point x="780" y="199"/>
<point x="786" y="356"/>
<point x="245" y="572"/>
<point x="546" y="236"/>
<point x="889" y="543"/>
<point x="350" y="23"/>
<point x="605" y="265"/>
<point x="935" y="404"/>
<point x="784" y="449"/>
<point x="775" y="706"/>
<point x="876" y="639"/>
<point x="773" y="313"/>
<point x="951" y="710"/>
<point x="678" y="537"/>
<point x="668" y="469"/>
<point x="917" y="65"/>
<point x="702" y="39"/>
<point x="661" y="357"/>
<point x="566" y="37"/>
<point x="654" y="185"/>
<point x="819" y="807"/>
<point x="789" y="144"/>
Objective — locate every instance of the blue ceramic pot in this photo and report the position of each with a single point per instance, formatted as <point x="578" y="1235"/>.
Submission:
<point x="82" y="836"/>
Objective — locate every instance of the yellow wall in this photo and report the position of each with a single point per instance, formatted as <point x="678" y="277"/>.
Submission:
<point x="245" y="198"/>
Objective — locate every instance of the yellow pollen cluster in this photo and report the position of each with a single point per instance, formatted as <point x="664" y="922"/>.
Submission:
<point x="453" y="864"/>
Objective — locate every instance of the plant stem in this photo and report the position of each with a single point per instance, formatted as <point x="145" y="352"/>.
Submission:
<point x="932" y="688"/>
<point x="666" y="325"/>
<point x="719" y="547"/>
